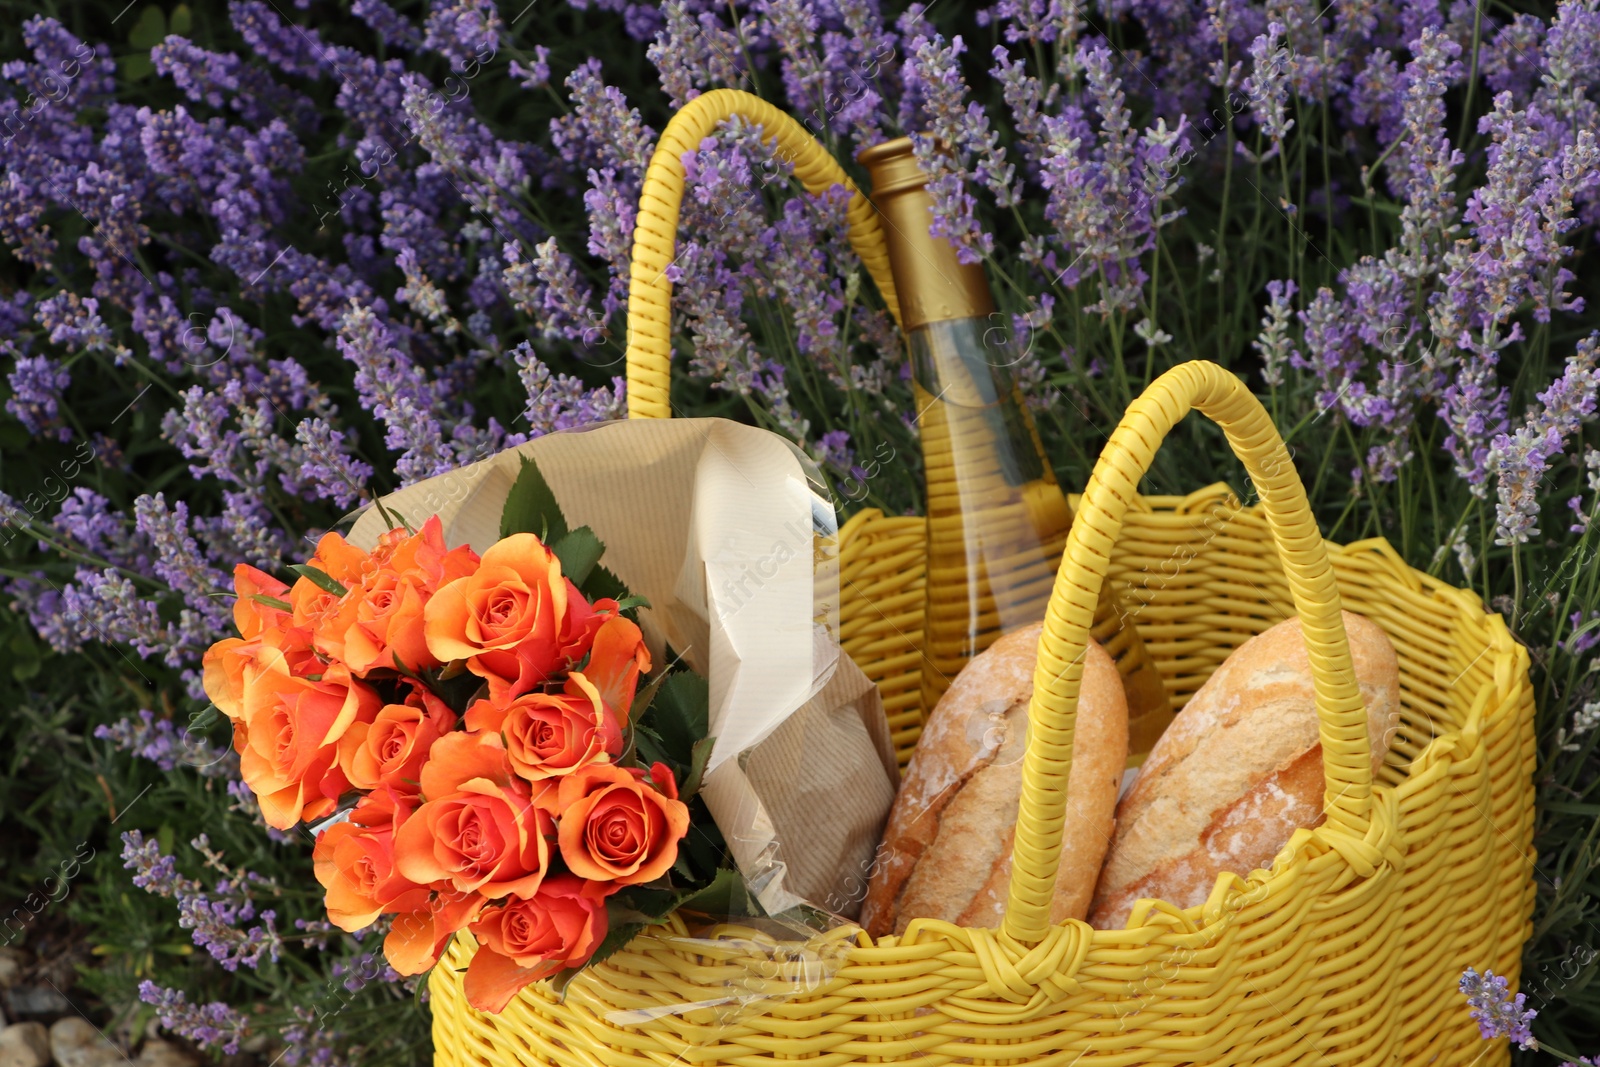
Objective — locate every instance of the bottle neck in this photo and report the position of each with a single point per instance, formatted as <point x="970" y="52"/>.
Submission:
<point x="932" y="283"/>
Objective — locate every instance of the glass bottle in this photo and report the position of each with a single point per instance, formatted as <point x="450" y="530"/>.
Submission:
<point x="997" y="519"/>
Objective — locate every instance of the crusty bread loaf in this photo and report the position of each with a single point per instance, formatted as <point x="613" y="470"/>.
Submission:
<point x="946" y="853"/>
<point x="1238" y="771"/>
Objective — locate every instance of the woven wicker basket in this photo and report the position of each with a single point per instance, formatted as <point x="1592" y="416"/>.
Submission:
<point x="1346" y="952"/>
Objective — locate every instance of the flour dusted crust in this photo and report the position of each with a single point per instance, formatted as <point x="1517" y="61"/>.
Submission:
<point x="1238" y="771"/>
<point x="946" y="853"/>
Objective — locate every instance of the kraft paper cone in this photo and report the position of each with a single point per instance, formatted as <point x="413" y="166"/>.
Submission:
<point x="720" y="526"/>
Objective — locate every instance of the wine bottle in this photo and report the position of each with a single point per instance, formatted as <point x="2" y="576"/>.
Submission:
<point x="997" y="519"/>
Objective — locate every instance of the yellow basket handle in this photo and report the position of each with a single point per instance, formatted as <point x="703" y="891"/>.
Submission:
<point x="655" y="232"/>
<point x="1346" y="748"/>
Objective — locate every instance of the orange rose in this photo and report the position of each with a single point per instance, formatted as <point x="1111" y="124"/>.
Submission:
<point x="222" y="671"/>
<point x="249" y="614"/>
<point x="583" y="621"/>
<point x="417" y="939"/>
<point x="551" y="734"/>
<point x="354" y="861"/>
<point x="617" y="658"/>
<point x="459" y="757"/>
<point x="424" y="555"/>
<point x="319" y="611"/>
<point x="390" y="750"/>
<point x="293" y="724"/>
<point x="506" y="620"/>
<point x="479" y="831"/>
<point x="225" y="662"/>
<point x="527" y="940"/>
<point x="377" y="623"/>
<point x="383" y="619"/>
<point x="617" y="829"/>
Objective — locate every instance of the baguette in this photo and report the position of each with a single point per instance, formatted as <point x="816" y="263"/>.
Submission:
<point x="1238" y="771"/>
<point x="946" y="853"/>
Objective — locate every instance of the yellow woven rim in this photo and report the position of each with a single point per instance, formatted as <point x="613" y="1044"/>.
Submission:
<point x="655" y="233"/>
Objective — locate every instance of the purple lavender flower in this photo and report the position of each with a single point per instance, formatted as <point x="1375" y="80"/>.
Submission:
<point x="75" y="324"/>
<point x="1377" y="96"/>
<point x="693" y="52"/>
<point x="1570" y="61"/>
<point x="310" y="1040"/>
<point x="397" y="391"/>
<point x="948" y="132"/>
<point x="159" y="741"/>
<point x="360" y="971"/>
<point x="550" y="291"/>
<point x="466" y="31"/>
<point x="423" y="296"/>
<point x="392" y="28"/>
<point x="560" y="401"/>
<point x="37" y="383"/>
<point x="1028" y="100"/>
<point x="86" y="518"/>
<point x="709" y="292"/>
<point x="1268" y="88"/>
<point x="1474" y="407"/>
<point x="1428" y="218"/>
<point x="793" y="26"/>
<point x="293" y="49"/>
<point x="861" y="58"/>
<point x="214" y="917"/>
<point x="21" y="213"/>
<point x="1107" y="201"/>
<point x="214" y="1026"/>
<point x="1518" y="461"/>
<point x="244" y="532"/>
<point x="218" y="78"/>
<point x="536" y="75"/>
<point x="602" y="131"/>
<point x="1496" y="1012"/>
<point x="178" y="561"/>
<point x="328" y="469"/>
<point x="154" y="871"/>
<point x="1510" y="60"/>
<point x="1033" y="21"/>
<point x="613" y="207"/>
<point x="1273" y="344"/>
<point x="833" y="448"/>
<point x="800" y="274"/>
<point x="106" y="605"/>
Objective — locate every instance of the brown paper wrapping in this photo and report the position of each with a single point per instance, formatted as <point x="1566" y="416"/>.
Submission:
<point x="719" y="526"/>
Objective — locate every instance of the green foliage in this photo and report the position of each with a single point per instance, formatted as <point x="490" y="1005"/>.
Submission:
<point x="531" y="507"/>
<point x="318" y="578"/>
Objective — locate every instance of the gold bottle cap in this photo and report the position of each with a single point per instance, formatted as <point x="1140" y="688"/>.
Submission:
<point x="933" y="285"/>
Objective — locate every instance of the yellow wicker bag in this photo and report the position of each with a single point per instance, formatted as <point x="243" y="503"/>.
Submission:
<point x="1346" y="952"/>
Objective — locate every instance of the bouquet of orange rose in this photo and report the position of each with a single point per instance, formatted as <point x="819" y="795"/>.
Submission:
<point x="471" y="737"/>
